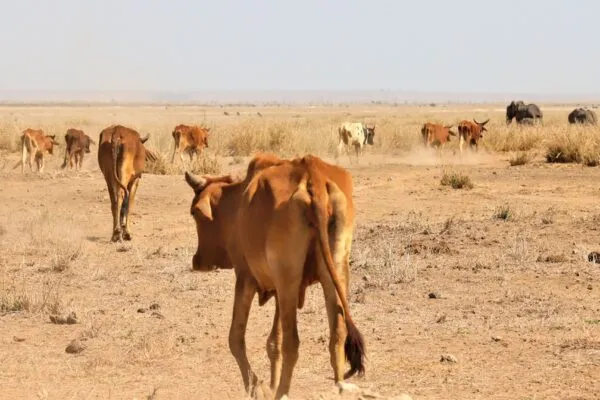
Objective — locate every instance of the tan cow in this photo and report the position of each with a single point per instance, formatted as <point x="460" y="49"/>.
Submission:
<point x="471" y="132"/>
<point x="35" y="143"/>
<point x="121" y="157"/>
<point x="354" y="134"/>
<point x="287" y="225"/>
<point x="435" y="135"/>
<point x="78" y="143"/>
<point x="189" y="139"/>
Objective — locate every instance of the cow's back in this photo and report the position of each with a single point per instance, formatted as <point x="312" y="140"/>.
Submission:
<point x="130" y="144"/>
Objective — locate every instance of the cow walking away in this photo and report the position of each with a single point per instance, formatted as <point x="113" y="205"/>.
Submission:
<point x="189" y="139"/>
<point x="470" y="132"/>
<point x="122" y="157"/>
<point x="583" y="116"/>
<point x="521" y="111"/>
<point x="35" y="143"/>
<point x="354" y="134"/>
<point x="435" y="135"/>
<point x="287" y="225"/>
<point x="77" y="144"/>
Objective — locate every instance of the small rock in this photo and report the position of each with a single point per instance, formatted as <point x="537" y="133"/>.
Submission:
<point x="61" y="320"/>
<point x="435" y="295"/>
<point x="441" y="319"/>
<point x="594" y="257"/>
<point x="156" y="314"/>
<point x="18" y="339"/>
<point x="141" y="310"/>
<point x="590" y="287"/>
<point x="496" y="338"/>
<point x="449" y="358"/>
<point x="154" y="306"/>
<point x="403" y="396"/>
<point x="75" y="347"/>
<point x="368" y="394"/>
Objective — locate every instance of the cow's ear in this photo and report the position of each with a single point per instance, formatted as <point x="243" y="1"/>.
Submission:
<point x="204" y="207"/>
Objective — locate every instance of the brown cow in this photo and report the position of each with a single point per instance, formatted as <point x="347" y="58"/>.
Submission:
<point x="436" y="134"/>
<point x="189" y="139"/>
<point x="471" y="132"/>
<point x="35" y="143"/>
<point x="287" y="225"/>
<point x="78" y="143"/>
<point x="121" y="157"/>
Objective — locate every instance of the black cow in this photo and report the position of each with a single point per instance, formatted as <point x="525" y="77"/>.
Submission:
<point x="520" y="111"/>
<point x="582" y="116"/>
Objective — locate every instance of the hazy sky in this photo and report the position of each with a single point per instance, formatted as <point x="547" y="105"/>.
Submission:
<point x="535" y="46"/>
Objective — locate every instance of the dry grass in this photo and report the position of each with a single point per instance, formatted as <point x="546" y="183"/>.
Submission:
<point x="287" y="133"/>
<point x="521" y="158"/>
<point x="574" y="145"/>
<point x="456" y="181"/>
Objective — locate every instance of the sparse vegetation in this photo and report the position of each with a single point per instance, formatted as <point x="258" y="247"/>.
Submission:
<point x="504" y="213"/>
<point x="413" y="237"/>
<point x="456" y="181"/>
<point x="521" y="158"/>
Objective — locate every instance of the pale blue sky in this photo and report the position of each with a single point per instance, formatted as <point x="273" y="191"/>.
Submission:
<point x="532" y="46"/>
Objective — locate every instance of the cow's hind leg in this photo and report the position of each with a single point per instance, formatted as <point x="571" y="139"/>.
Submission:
<point x="288" y="301"/>
<point x="127" y="206"/>
<point x="274" y="348"/>
<point x="244" y="294"/>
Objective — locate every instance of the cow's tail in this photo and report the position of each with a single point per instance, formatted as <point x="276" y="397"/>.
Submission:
<point x="116" y="151"/>
<point x="354" y="346"/>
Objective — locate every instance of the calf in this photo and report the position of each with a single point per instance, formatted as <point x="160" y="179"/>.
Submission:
<point x="471" y="132"/>
<point x="35" y="143"/>
<point x="78" y="143"/>
<point x="121" y="157"/>
<point x="436" y="134"/>
<point x="287" y="225"/>
<point x="355" y="134"/>
<point x="189" y="139"/>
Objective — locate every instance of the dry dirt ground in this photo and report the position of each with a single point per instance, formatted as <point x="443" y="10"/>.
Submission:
<point x="496" y="276"/>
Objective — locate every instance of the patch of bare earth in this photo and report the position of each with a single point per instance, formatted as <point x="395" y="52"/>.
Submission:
<point x="453" y="301"/>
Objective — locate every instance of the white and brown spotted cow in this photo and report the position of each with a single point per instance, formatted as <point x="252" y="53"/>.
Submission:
<point x="355" y="134"/>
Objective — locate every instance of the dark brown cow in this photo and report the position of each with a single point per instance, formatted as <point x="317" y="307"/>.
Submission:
<point x="78" y="143"/>
<point x="121" y="157"/>
<point x="436" y="134"/>
<point x="287" y="225"/>
<point x="189" y="139"/>
<point x="471" y="132"/>
<point x="35" y="143"/>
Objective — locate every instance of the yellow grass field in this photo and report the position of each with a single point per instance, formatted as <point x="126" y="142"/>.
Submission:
<point x="494" y="274"/>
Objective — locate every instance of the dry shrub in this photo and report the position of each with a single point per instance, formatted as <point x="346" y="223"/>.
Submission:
<point x="504" y="213"/>
<point x="456" y="181"/>
<point x="521" y="158"/>
<point x="575" y="145"/>
<point x="24" y="296"/>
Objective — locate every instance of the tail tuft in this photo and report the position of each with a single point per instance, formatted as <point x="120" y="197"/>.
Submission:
<point x="355" y="350"/>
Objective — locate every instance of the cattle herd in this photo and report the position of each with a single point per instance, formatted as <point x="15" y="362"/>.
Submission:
<point x="470" y="132"/>
<point x="286" y="225"/>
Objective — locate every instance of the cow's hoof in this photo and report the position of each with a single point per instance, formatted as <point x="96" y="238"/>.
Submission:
<point x="345" y="387"/>
<point x="126" y="236"/>
<point x="116" y="237"/>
